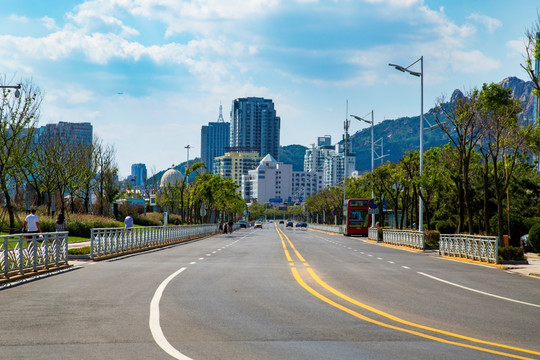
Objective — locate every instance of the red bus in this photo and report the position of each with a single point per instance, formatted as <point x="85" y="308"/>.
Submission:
<point x="358" y="219"/>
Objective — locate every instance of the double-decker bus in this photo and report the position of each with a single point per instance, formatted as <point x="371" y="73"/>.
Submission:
<point x="358" y="219"/>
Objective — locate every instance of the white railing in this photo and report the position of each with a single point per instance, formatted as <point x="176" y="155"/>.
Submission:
<point x="479" y="248"/>
<point x="373" y="234"/>
<point x="330" y="228"/>
<point x="409" y="238"/>
<point x="106" y="242"/>
<point x="23" y="253"/>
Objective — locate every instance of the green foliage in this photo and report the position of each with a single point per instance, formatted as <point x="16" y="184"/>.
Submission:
<point x="145" y="221"/>
<point x="431" y="238"/>
<point x="293" y="154"/>
<point x="518" y="227"/>
<point x="534" y="237"/>
<point x="510" y="253"/>
<point x="79" y="251"/>
<point x="445" y="227"/>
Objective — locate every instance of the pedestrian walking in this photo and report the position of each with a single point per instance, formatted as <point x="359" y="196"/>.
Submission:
<point x="31" y="225"/>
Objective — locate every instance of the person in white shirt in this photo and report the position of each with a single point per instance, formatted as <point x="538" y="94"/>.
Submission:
<point x="31" y="223"/>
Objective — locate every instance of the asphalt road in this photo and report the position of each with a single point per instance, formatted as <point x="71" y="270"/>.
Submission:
<point x="274" y="293"/>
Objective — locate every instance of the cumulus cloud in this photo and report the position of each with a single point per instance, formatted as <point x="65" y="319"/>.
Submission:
<point x="490" y="23"/>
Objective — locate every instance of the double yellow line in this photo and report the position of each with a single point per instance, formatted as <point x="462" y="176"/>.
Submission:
<point x="352" y="312"/>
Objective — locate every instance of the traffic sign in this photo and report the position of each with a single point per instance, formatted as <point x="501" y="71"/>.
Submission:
<point x="372" y="204"/>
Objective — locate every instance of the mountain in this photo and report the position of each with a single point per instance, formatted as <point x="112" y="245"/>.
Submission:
<point x="293" y="154"/>
<point x="401" y="135"/>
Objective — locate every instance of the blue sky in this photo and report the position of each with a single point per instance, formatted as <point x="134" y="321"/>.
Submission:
<point x="149" y="73"/>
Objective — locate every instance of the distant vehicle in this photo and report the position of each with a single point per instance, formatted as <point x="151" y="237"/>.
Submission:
<point x="301" y="224"/>
<point x="242" y="223"/>
<point x="524" y="242"/>
<point x="281" y="221"/>
<point x="290" y="223"/>
<point x="258" y="225"/>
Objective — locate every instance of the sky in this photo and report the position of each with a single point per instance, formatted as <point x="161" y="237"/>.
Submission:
<point x="149" y="73"/>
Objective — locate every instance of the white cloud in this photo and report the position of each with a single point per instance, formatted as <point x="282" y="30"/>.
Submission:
<point x="49" y="23"/>
<point x="490" y="23"/>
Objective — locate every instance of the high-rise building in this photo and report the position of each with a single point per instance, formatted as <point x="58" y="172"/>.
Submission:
<point x="214" y="139"/>
<point x="255" y="126"/>
<point x="73" y="133"/>
<point x="235" y="164"/>
<point x="314" y="157"/>
<point x="138" y="173"/>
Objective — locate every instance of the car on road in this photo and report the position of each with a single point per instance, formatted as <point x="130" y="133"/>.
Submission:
<point x="281" y="221"/>
<point x="258" y="225"/>
<point x="290" y="223"/>
<point x="242" y="224"/>
<point x="301" y="224"/>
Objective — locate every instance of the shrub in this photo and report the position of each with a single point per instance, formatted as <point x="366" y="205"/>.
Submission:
<point x="518" y="227"/>
<point x="79" y="251"/>
<point x="446" y="227"/>
<point x="510" y="253"/>
<point x="431" y="238"/>
<point x="145" y="221"/>
<point x="534" y="237"/>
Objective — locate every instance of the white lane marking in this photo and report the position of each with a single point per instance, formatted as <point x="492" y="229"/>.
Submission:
<point x="192" y="263"/>
<point x="201" y="258"/>
<point x="155" y="328"/>
<point x="406" y="267"/>
<point x="379" y="258"/>
<point x="391" y="262"/>
<point x="478" y="291"/>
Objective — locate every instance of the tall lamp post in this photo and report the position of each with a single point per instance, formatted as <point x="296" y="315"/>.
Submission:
<point x="346" y="125"/>
<point x="372" y="122"/>
<point x="187" y="165"/>
<point x="421" y="75"/>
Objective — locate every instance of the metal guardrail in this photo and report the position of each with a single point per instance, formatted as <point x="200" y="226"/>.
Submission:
<point x="473" y="247"/>
<point x="42" y="251"/>
<point x="373" y="234"/>
<point x="330" y="228"/>
<point x="410" y="238"/>
<point x="105" y="242"/>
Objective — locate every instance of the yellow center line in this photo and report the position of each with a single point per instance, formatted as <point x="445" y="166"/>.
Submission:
<point x="389" y="316"/>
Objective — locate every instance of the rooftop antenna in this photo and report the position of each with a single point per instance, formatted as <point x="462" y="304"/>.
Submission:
<point x="220" y="117"/>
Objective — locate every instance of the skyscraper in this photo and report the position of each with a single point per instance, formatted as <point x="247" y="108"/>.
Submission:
<point x="255" y="126"/>
<point x="74" y="133"/>
<point x="214" y="139"/>
<point x="138" y="172"/>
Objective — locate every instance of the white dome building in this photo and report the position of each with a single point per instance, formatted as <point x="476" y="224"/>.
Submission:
<point x="171" y="177"/>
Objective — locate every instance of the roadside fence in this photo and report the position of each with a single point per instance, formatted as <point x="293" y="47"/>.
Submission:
<point x="373" y="234"/>
<point x="409" y="238"/>
<point x="473" y="247"/>
<point x="107" y="242"/>
<point x="330" y="228"/>
<point x="43" y="251"/>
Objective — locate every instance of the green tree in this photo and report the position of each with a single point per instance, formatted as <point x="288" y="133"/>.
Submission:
<point x="18" y="117"/>
<point x="460" y="122"/>
<point x="504" y="140"/>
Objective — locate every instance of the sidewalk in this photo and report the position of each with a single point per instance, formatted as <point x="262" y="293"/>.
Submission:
<point x="531" y="269"/>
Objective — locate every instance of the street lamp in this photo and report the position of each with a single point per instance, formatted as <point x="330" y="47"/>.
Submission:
<point x="16" y="87"/>
<point x="372" y="122"/>
<point x="346" y="125"/>
<point x="187" y="165"/>
<point x="421" y="75"/>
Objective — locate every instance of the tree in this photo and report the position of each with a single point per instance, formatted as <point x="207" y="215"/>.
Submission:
<point x="459" y="121"/>
<point x="504" y="140"/>
<point x="18" y="117"/>
<point x="106" y="175"/>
